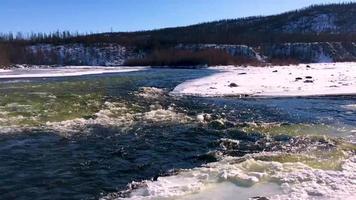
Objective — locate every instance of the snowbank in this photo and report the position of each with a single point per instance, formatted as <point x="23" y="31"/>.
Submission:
<point x="64" y="71"/>
<point x="278" y="81"/>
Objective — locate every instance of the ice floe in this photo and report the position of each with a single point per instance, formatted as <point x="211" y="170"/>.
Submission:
<point x="285" y="180"/>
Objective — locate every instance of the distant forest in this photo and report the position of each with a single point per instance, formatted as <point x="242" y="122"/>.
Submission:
<point x="13" y="49"/>
<point x="252" y="31"/>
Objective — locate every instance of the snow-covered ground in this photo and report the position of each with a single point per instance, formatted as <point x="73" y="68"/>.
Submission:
<point x="278" y="81"/>
<point x="63" y="71"/>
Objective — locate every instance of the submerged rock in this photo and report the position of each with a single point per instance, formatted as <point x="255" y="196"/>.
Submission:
<point x="217" y="124"/>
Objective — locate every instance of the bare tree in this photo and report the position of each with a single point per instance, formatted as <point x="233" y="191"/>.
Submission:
<point x="4" y="57"/>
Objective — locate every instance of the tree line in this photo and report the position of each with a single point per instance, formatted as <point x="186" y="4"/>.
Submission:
<point x="251" y="31"/>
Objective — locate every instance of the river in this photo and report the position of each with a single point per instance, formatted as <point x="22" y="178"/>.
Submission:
<point x="122" y="135"/>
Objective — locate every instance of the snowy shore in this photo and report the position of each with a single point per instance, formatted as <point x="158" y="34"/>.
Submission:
<point x="279" y="81"/>
<point x="63" y="71"/>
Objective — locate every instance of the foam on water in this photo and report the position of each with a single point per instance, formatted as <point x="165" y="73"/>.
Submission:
<point x="350" y="107"/>
<point x="80" y="112"/>
<point x="162" y="115"/>
<point x="121" y="116"/>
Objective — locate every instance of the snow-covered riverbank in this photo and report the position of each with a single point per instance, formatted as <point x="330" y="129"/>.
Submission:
<point x="64" y="71"/>
<point x="278" y="81"/>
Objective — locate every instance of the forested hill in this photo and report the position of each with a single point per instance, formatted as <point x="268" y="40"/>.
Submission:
<point x="313" y="34"/>
<point x="322" y="23"/>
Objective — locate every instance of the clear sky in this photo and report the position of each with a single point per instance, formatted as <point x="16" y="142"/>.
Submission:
<point x="128" y="15"/>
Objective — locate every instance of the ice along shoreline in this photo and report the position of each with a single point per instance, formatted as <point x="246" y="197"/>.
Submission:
<point x="322" y="79"/>
<point x="68" y="71"/>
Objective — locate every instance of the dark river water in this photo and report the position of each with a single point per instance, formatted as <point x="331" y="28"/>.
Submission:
<point x="38" y="161"/>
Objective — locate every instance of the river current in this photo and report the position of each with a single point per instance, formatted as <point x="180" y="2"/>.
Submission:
<point x="119" y="136"/>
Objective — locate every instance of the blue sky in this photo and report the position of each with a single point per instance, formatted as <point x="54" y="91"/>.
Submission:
<point x="128" y="15"/>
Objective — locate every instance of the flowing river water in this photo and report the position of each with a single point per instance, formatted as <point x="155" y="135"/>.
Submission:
<point x="122" y="136"/>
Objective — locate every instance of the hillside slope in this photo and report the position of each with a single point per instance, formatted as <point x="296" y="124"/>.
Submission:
<point x="324" y="23"/>
<point x="324" y="33"/>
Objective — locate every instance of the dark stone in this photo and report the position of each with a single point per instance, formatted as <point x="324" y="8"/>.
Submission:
<point x="308" y="66"/>
<point x="243" y="73"/>
<point x="260" y="198"/>
<point x="308" y="77"/>
<point x="308" y="81"/>
<point x="275" y="71"/>
<point x="233" y="85"/>
<point x="298" y="79"/>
